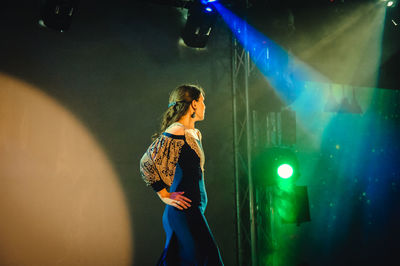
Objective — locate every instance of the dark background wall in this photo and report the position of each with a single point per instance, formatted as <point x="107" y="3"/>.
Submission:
<point x="114" y="70"/>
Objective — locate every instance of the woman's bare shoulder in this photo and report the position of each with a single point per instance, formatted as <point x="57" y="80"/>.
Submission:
<point x="176" y="130"/>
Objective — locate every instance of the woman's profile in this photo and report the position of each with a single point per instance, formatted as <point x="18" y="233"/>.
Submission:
<point x="175" y="161"/>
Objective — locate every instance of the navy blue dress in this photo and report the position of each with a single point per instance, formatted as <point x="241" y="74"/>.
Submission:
<point x="189" y="240"/>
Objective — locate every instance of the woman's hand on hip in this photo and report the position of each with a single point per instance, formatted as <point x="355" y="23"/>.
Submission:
<point x="175" y="199"/>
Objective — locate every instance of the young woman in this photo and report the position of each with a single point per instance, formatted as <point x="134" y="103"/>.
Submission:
<point x="175" y="160"/>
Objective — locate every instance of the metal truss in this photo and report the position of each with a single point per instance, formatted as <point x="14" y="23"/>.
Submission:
<point x="254" y="213"/>
<point x="245" y="216"/>
<point x="252" y="131"/>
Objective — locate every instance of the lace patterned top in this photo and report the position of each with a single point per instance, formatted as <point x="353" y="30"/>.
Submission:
<point x="159" y="161"/>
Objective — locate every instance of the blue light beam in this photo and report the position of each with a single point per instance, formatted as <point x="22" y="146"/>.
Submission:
<point x="204" y="2"/>
<point x="283" y="71"/>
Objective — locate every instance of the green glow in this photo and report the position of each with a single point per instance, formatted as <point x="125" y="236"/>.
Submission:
<point x="285" y="171"/>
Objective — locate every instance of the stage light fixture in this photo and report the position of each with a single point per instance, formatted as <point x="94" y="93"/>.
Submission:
<point x="200" y="21"/>
<point x="387" y="3"/>
<point x="354" y="105"/>
<point x="276" y="165"/>
<point x="57" y="14"/>
<point x="331" y="104"/>
<point x="285" y="171"/>
<point x="346" y="106"/>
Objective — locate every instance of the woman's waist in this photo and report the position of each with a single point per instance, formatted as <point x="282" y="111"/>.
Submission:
<point x="194" y="208"/>
<point x="193" y="193"/>
<point x="198" y="200"/>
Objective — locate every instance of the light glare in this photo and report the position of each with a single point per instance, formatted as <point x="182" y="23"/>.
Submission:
<point x="285" y="171"/>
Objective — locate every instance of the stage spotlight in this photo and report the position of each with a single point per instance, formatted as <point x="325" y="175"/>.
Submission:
<point x="390" y="3"/>
<point x="331" y="104"/>
<point x="57" y="14"/>
<point x="276" y="165"/>
<point x="200" y="21"/>
<point x="285" y="171"/>
<point x="354" y="105"/>
<point x="345" y="106"/>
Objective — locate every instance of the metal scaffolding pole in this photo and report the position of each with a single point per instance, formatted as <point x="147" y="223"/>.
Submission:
<point x="245" y="205"/>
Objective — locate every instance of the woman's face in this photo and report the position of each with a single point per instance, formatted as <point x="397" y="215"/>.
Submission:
<point x="200" y="108"/>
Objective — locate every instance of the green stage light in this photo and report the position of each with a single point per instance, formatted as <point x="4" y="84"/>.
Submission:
<point x="275" y="165"/>
<point x="285" y="171"/>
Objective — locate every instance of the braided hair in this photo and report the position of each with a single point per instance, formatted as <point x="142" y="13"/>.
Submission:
<point x="179" y="101"/>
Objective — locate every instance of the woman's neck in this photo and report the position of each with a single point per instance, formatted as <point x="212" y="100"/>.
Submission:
<point x="187" y="121"/>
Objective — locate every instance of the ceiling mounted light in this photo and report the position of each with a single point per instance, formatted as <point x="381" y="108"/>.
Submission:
<point x="199" y="24"/>
<point x="57" y="14"/>
<point x="331" y="103"/>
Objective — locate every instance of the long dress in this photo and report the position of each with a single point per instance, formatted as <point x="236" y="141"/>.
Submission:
<point x="189" y="240"/>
